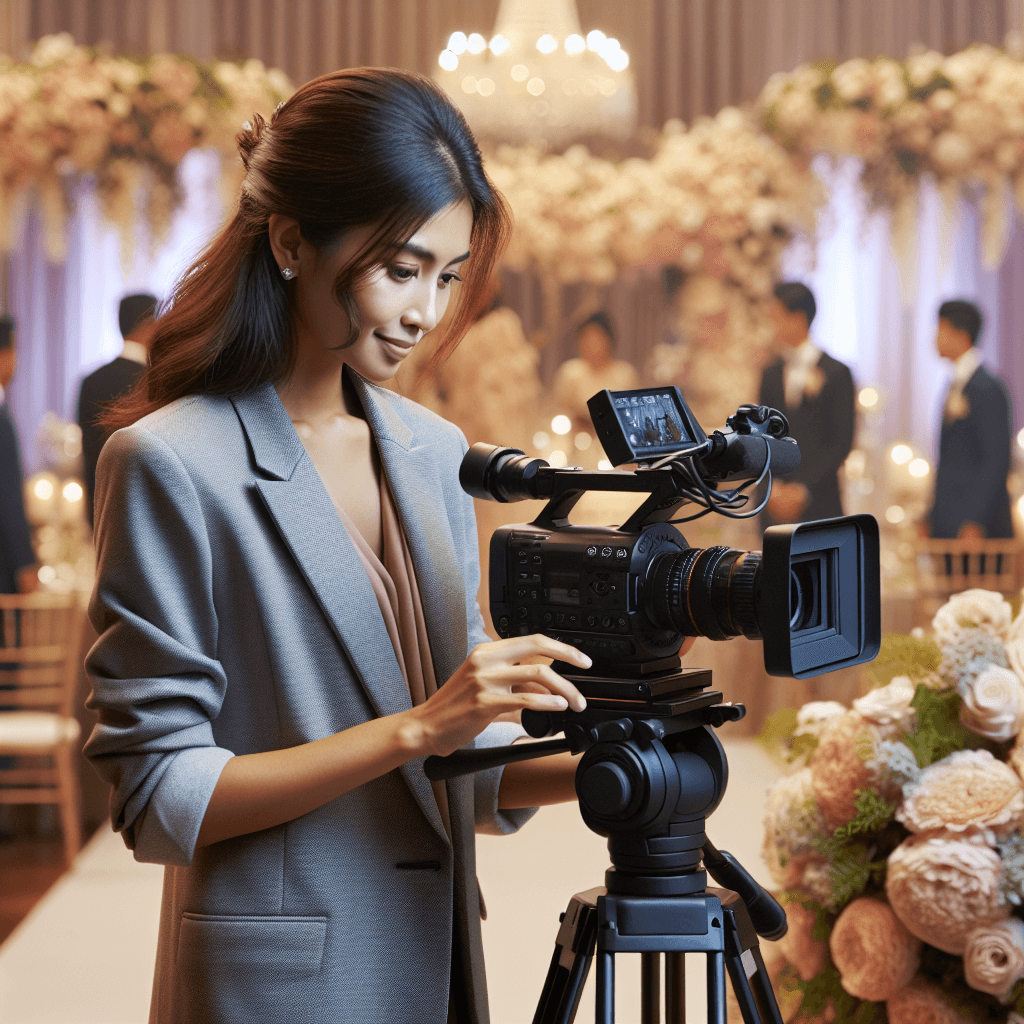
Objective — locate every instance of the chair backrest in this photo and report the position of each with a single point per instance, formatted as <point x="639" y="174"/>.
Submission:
<point x="946" y="567"/>
<point x="40" y="637"/>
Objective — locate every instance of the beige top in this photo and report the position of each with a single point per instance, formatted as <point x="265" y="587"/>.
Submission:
<point x="394" y="584"/>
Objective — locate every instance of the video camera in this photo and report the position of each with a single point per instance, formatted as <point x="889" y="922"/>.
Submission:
<point x="628" y="595"/>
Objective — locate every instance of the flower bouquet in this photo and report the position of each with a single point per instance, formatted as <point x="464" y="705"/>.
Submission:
<point x="898" y="841"/>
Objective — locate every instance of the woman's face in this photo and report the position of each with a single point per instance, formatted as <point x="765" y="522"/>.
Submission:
<point x="398" y="303"/>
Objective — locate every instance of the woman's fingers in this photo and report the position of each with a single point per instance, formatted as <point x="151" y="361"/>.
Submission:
<point x="540" y="678"/>
<point x="536" y="644"/>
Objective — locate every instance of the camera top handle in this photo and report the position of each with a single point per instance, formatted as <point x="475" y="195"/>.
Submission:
<point x="508" y="474"/>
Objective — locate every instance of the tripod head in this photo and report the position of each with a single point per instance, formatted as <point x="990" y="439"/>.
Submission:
<point x="652" y="770"/>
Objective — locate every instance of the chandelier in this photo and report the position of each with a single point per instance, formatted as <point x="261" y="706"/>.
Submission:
<point x="538" y="79"/>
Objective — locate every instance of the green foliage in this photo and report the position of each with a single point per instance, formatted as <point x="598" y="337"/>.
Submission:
<point x="874" y="812"/>
<point x="853" y="849"/>
<point x="939" y="732"/>
<point x="902" y="655"/>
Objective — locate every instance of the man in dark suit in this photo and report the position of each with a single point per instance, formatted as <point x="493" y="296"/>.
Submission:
<point x="815" y="392"/>
<point x="17" y="561"/>
<point x="102" y="386"/>
<point x="971" y="500"/>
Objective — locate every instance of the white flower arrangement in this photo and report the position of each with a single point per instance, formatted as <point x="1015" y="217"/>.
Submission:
<point x="909" y="861"/>
<point x="73" y="110"/>
<point x="958" y="118"/>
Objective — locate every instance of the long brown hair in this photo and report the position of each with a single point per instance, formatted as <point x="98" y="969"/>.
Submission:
<point x="356" y="147"/>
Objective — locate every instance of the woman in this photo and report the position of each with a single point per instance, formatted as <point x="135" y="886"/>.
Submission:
<point x="287" y="572"/>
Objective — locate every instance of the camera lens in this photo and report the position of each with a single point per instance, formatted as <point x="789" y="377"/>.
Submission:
<point x="704" y="592"/>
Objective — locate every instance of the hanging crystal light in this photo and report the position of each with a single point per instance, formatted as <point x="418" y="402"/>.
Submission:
<point x="538" y="79"/>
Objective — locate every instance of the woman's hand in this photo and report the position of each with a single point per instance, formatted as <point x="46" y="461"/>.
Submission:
<point x="496" y="678"/>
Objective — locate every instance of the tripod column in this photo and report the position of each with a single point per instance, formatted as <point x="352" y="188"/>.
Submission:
<point x="650" y="986"/>
<point x="675" y="988"/>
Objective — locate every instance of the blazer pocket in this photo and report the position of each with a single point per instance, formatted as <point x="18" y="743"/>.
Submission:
<point x="290" y="947"/>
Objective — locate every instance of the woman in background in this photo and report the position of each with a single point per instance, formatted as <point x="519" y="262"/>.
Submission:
<point x="287" y="574"/>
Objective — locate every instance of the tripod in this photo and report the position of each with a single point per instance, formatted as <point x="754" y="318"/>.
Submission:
<point x="652" y="770"/>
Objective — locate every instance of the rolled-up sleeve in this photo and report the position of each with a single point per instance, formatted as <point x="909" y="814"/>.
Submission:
<point x="156" y="682"/>
<point x="489" y="818"/>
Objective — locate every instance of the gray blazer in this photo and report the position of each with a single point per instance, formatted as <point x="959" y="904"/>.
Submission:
<point x="235" y="616"/>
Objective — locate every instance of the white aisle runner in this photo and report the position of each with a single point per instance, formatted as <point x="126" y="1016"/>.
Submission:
<point x="85" y="953"/>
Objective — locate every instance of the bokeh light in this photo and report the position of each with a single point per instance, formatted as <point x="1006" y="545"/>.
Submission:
<point x="557" y="458"/>
<point x="901" y="454"/>
<point x="457" y="42"/>
<point x="448" y="60"/>
<point x="561" y="424"/>
<point x="894" y="514"/>
<point x="919" y="468"/>
<point x="867" y="398"/>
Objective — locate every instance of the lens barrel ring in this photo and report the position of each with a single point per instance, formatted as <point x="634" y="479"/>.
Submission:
<point x="742" y="602"/>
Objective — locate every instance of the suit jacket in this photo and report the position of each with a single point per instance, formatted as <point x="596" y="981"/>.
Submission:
<point x="822" y="425"/>
<point x="974" y="461"/>
<point x="235" y="616"/>
<point x="98" y="390"/>
<point x="15" y="538"/>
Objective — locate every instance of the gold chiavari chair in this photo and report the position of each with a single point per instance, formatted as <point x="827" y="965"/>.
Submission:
<point x="40" y="636"/>
<point x="946" y="567"/>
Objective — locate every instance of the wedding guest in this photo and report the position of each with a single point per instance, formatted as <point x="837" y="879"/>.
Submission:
<point x="102" y="386"/>
<point x="17" y="561"/>
<point x="971" y="500"/>
<point x="815" y="392"/>
<point x="595" y="369"/>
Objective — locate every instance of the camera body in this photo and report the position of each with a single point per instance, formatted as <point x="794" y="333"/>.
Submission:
<point x="585" y="585"/>
<point x="628" y="596"/>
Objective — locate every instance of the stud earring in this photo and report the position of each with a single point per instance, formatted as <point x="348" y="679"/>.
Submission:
<point x="287" y="273"/>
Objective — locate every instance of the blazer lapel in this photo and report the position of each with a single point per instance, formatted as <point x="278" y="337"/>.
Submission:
<point x="311" y="528"/>
<point x="411" y="467"/>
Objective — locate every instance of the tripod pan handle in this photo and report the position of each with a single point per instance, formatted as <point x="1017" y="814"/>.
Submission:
<point x="766" y="915"/>
<point x="463" y="762"/>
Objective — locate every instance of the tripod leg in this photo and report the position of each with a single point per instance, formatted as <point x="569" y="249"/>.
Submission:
<point x="570" y="963"/>
<point x="650" y="984"/>
<point x="675" y="988"/>
<point x="716" y="988"/>
<point x="605" y="1011"/>
<point x="746" y="967"/>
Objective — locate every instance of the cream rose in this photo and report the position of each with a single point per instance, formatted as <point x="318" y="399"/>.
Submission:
<point x="993" y="704"/>
<point x="889" y="705"/>
<point x="943" y="888"/>
<point x="969" y="789"/>
<point x="994" y="957"/>
<point x="815" y="715"/>
<point x="875" y="954"/>
<point x="972" y="609"/>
